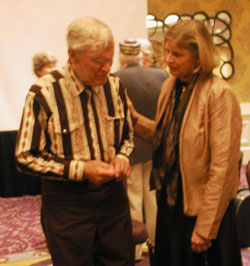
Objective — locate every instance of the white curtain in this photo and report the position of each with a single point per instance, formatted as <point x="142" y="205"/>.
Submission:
<point x="29" y="26"/>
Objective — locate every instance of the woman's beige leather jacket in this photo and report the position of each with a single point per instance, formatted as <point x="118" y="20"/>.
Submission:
<point x="209" y="149"/>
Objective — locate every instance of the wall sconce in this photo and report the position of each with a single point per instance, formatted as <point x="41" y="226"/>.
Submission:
<point x="218" y="26"/>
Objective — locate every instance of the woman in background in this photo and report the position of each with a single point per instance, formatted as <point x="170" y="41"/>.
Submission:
<point x="196" y="139"/>
<point x="43" y="63"/>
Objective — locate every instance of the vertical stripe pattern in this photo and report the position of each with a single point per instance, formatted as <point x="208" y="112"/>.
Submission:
<point x="65" y="124"/>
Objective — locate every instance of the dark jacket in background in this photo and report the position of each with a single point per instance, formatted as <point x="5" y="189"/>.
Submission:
<point x="143" y="85"/>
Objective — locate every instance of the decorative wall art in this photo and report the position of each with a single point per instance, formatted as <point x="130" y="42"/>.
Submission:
<point x="218" y="26"/>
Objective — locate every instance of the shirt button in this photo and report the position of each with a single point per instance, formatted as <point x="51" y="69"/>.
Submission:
<point x="64" y="130"/>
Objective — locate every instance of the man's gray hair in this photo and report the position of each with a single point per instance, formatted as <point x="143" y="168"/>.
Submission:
<point x="88" y="32"/>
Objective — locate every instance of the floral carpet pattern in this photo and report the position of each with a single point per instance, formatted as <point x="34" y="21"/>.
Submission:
<point x="20" y="228"/>
<point x="22" y="242"/>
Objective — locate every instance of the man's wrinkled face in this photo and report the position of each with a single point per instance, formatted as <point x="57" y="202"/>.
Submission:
<point x="92" y="68"/>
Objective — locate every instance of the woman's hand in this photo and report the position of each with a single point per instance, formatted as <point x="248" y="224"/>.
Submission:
<point x="134" y="114"/>
<point x="199" y="243"/>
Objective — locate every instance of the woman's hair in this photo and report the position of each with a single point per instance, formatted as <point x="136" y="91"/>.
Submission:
<point x="88" y="32"/>
<point x="194" y="36"/>
<point x="42" y="59"/>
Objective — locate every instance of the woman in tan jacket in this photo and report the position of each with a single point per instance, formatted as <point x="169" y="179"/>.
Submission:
<point x="196" y="139"/>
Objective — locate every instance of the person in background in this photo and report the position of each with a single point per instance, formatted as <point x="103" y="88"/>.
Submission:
<point x="76" y="134"/>
<point x="147" y="53"/>
<point x="143" y="86"/>
<point x="43" y="63"/>
<point x="196" y="154"/>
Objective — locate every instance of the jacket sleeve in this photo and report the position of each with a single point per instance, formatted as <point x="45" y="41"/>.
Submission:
<point x="224" y="127"/>
<point x="144" y="128"/>
<point x="126" y="146"/>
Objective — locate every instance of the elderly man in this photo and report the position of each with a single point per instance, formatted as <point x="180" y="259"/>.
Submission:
<point x="76" y="133"/>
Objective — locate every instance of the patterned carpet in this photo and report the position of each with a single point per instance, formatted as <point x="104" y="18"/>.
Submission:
<point x="21" y="237"/>
<point x="22" y="241"/>
<point x="20" y="228"/>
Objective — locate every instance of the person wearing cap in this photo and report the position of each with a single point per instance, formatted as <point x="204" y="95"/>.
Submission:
<point x="143" y="86"/>
<point x="76" y="134"/>
<point x="43" y="63"/>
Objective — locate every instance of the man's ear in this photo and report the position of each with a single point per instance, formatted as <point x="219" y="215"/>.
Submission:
<point x="72" y="56"/>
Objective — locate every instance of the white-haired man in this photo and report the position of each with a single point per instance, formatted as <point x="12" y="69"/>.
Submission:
<point x="76" y="133"/>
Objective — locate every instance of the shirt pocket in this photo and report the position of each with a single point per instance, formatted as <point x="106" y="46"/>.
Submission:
<point x="114" y="121"/>
<point x="114" y="129"/>
<point x="66" y="141"/>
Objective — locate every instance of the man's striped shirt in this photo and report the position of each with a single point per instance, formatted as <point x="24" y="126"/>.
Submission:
<point x="65" y="124"/>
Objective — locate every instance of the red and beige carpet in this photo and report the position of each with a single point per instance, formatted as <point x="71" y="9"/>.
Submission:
<point x="22" y="241"/>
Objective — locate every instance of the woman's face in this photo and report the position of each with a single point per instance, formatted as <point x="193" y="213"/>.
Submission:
<point x="181" y="62"/>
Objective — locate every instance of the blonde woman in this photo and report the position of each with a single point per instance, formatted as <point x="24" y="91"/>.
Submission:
<point x="196" y="155"/>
